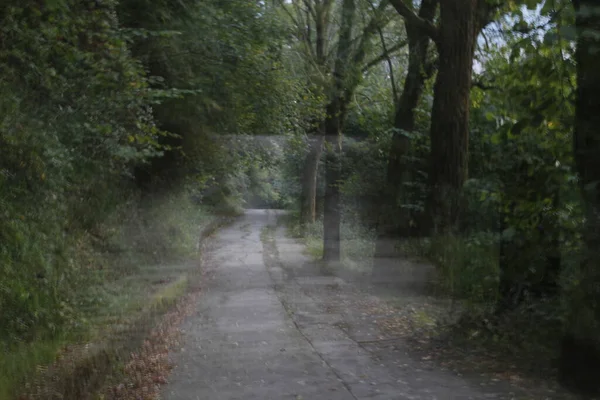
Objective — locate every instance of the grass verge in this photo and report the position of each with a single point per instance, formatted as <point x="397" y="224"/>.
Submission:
<point x="138" y="270"/>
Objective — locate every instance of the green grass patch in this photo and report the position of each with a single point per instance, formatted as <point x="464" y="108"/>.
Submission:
<point x="357" y="244"/>
<point x="21" y="360"/>
<point x="170" y="293"/>
<point x="314" y="247"/>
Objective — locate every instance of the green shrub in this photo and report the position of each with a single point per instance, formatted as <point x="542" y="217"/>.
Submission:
<point x="74" y="121"/>
<point x="467" y="267"/>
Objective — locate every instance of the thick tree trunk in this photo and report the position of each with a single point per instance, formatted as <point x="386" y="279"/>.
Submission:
<point x="450" y="113"/>
<point x="308" y="206"/>
<point x="404" y="122"/>
<point x="580" y="354"/>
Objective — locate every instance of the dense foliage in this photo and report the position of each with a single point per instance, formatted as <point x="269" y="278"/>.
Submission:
<point x="486" y="183"/>
<point x="76" y="119"/>
<point x="466" y="137"/>
<point x="108" y="107"/>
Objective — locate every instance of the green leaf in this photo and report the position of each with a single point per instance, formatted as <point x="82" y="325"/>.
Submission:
<point x="568" y="32"/>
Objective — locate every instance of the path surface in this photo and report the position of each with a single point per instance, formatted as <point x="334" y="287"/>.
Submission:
<point x="271" y="325"/>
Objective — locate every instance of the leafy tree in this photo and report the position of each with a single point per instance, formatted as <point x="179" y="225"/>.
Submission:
<point x="226" y="58"/>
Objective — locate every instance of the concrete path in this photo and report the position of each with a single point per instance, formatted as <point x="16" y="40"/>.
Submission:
<point x="270" y="325"/>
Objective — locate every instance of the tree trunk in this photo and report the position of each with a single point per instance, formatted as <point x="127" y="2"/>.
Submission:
<point x="580" y="354"/>
<point x="404" y="122"/>
<point x="332" y="213"/>
<point x="549" y="285"/>
<point x="308" y="206"/>
<point x="450" y="113"/>
<point x="335" y="116"/>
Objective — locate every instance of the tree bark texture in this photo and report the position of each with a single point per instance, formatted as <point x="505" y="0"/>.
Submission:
<point x="579" y="365"/>
<point x="308" y="207"/>
<point x="450" y="113"/>
<point x="322" y="11"/>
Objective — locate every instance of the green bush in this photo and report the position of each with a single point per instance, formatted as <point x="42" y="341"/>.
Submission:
<point x="165" y="228"/>
<point x="467" y="267"/>
<point x="74" y="121"/>
<point x="108" y="274"/>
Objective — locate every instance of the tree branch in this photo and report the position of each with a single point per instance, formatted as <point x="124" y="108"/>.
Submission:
<point x="383" y="56"/>
<point x="483" y="86"/>
<point x="390" y="66"/>
<point x="310" y="8"/>
<point x="308" y="31"/>
<point x="413" y="19"/>
<point x="282" y="4"/>
<point x="376" y="22"/>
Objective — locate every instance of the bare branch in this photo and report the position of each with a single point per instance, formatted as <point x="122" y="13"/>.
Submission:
<point x="308" y="31"/>
<point x="376" y="21"/>
<point x="310" y="8"/>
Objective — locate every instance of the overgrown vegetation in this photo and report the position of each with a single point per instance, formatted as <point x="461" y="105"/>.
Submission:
<point x="139" y="257"/>
<point x="468" y="138"/>
<point x="113" y="160"/>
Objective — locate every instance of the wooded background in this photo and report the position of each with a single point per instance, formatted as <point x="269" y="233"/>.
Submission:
<point x="467" y="131"/>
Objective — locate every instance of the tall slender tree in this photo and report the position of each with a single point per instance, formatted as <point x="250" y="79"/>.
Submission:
<point x="348" y="73"/>
<point x="316" y="47"/>
<point x="336" y="112"/>
<point x="337" y="69"/>
<point x="419" y="69"/>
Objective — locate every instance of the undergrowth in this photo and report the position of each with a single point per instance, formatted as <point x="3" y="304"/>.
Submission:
<point x="137" y="262"/>
<point x="467" y="268"/>
<point x="357" y="244"/>
<point x="524" y="340"/>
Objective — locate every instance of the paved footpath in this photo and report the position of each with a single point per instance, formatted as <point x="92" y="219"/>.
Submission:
<point x="271" y="326"/>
